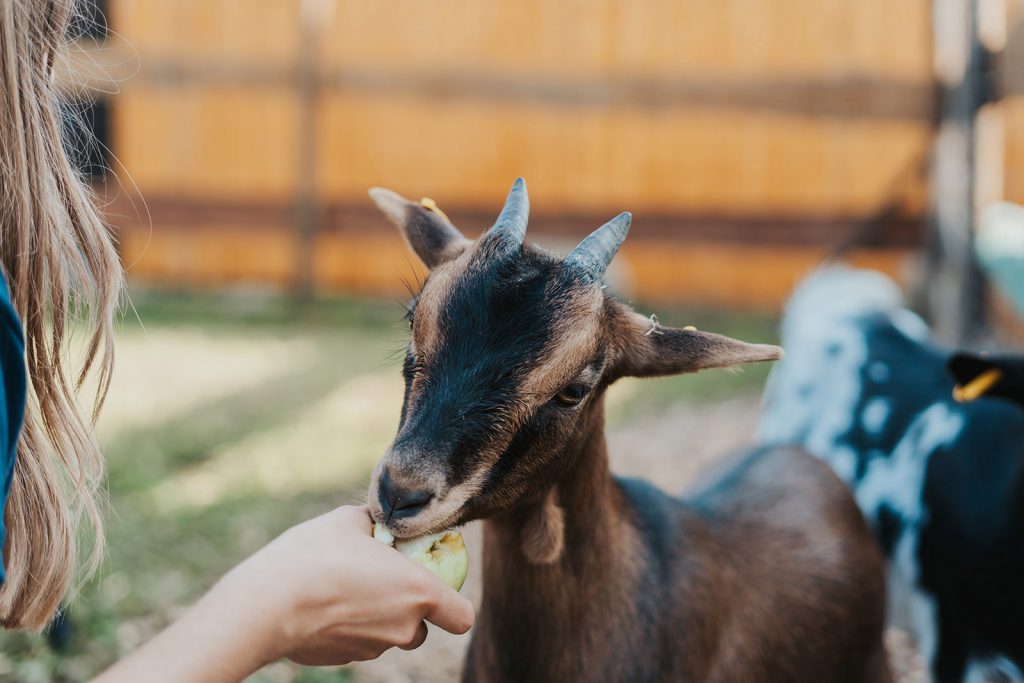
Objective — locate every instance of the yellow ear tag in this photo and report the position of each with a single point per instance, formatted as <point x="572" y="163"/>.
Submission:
<point x="977" y="386"/>
<point x="430" y="205"/>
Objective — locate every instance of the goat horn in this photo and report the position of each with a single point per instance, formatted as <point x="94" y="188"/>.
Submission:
<point x="511" y="223"/>
<point x="592" y="256"/>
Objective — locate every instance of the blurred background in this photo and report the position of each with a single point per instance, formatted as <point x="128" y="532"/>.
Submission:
<point x="232" y="144"/>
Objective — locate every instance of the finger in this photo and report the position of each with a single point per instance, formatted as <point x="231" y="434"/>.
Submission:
<point x="452" y="612"/>
<point x="357" y="516"/>
<point x="417" y="640"/>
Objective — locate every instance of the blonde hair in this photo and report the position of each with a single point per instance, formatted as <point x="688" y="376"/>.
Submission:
<point x="60" y="263"/>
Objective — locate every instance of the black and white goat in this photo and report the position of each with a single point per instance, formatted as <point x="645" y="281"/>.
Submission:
<point x="942" y="482"/>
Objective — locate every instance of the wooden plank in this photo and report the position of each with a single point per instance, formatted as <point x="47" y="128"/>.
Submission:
<point x="839" y="97"/>
<point x="212" y="256"/>
<point x="362" y="218"/>
<point x="224" y="143"/>
<point x="864" y="59"/>
<point x="608" y="38"/>
<point x="732" y="276"/>
<point x="676" y="161"/>
<point x="207" y="31"/>
<point x="572" y="38"/>
<point x="237" y="143"/>
<point x="699" y="274"/>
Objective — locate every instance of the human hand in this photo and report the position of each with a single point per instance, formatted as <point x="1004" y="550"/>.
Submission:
<point x="325" y="592"/>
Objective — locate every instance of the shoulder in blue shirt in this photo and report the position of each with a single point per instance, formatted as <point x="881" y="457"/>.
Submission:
<point x="12" y="398"/>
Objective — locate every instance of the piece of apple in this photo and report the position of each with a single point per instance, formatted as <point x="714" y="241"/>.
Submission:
<point x="444" y="553"/>
<point x="383" y="534"/>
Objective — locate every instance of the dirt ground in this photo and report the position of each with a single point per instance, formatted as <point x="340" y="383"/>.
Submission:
<point x="672" y="449"/>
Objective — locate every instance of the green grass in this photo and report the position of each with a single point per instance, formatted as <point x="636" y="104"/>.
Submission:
<point x="249" y="310"/>
<point x="234" y="417"/>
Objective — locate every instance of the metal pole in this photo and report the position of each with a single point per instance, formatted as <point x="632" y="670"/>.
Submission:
<point x="955" y="287"/>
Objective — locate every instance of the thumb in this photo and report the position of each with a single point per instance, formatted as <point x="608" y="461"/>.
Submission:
<point x="451" y="611"/>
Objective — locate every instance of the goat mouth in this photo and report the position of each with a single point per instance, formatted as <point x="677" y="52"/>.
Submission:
<point x="414" y="527"/>
<point x="441" y="513"/>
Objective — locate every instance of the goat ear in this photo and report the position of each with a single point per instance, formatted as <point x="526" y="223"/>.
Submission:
<point x="428" y="231"/>
<point x="646" y="349"/>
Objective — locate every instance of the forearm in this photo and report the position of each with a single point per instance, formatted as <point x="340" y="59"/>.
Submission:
<point x="323" y="593"/>
<point x="214" y="642"/>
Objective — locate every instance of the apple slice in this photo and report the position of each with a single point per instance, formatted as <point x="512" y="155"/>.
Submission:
<point x="444" y="553"/>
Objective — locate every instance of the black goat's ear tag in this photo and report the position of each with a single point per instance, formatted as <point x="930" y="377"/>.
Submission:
<point x="544" y="531"/>
<point x="995" y="375"/>
<point x="977" y="387"/>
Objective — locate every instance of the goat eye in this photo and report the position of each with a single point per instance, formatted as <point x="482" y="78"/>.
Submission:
<point x="411" y="367"/>
<point x="572" y="394"/>
<point x="410" y="314"/>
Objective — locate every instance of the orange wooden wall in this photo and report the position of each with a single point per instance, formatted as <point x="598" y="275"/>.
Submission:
<point x="602" y="105"/>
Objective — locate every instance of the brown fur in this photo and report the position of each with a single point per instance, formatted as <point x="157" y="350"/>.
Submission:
<point x="543" y="534"/>
<point x="771" y="576"/>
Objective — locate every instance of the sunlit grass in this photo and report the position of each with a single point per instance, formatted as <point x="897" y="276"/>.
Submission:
<point x="337" y="439"/>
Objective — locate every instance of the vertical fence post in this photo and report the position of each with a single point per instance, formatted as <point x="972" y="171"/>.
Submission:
<point x="955" y="287"/>
<point x="314" y="16"/>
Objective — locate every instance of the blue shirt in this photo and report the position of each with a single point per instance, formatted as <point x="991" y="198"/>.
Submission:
<point x="12" y="398"/>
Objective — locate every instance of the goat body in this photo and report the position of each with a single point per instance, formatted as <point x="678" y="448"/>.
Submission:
<point x="769" y="574"/>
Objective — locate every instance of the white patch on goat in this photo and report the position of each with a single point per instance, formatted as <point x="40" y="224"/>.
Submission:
<point x="910" y="608"/>
<point x="839" y="292"/>
<point x="910" y="324"/>
<point x="991" y="669"/>
<point x="924" y="624"/>
<point x="898" y="483"/>
<point x="899" y="598"/>
<point x="876" y="412"/>
<point x="879" y="372"/>
<point x="811" y="397"/>
<point x="843" y="461"/>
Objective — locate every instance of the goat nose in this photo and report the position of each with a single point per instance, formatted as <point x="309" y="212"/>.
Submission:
<point x="398" y="501"/>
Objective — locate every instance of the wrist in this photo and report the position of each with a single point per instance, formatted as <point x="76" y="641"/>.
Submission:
<point x="218" y="640"/>
<point x="246" y="618"/>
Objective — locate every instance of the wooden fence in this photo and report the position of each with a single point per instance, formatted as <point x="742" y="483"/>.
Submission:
<point x="748" y="137"/>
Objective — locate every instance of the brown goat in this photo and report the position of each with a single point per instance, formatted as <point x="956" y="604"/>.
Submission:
<point x="767" y="574"/>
